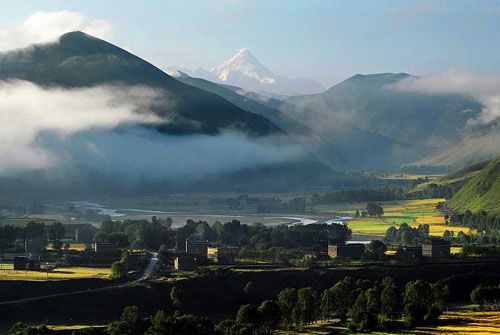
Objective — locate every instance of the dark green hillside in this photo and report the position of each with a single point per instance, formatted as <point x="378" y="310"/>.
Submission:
<point x="80" y="60"/>
<point x="481" y="192"/>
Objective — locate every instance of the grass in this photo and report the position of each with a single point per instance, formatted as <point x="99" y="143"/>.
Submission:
<point x="8" y="273"/>
<point x="481" y="192"/>
<point x="412" y="212"/>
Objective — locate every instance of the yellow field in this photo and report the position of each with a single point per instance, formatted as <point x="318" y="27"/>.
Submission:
<point x="7" y="273"/>
<point x="412" y="212"/>
<point x="73" y="327"/>
<point x="72" y="246"/>
<point x="463" y="322"/>
<point x="466" y="322"/>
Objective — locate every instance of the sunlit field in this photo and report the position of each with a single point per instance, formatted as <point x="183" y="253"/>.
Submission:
<point x="466" y="322"/>
<point x="8" y="273"/>
<point x="72" y="246"/>
<point x="412" y="212"/>
<point x="463" y="322"/>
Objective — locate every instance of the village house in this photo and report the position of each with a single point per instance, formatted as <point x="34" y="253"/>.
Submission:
<point x="107" y="250"/>
<point x="353" y="250"/>
<point x="222" y="254"/>
<point x="197" y="247"/>
<point x="436" y="248"/>
<point x="185" y="263"/>
<point x="27" y="263"/>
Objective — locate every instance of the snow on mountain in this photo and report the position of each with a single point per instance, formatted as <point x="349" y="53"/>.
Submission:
<point x="245" y="70"/>
<point x="244" y="62"/>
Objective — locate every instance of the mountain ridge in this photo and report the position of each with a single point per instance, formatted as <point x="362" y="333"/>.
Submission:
<point x="81" y="60"/>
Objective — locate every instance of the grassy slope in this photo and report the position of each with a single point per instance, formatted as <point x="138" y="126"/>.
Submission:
<point x="456" y="179"/>
<point x="482" y="192"/>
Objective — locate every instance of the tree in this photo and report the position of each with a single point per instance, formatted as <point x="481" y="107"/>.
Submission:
<point x="307" y="304"/>
<point x="361" y="316"/>
<point x="389" y="299"/>
<point x="418" y="298"/>
<point x="373" y="299"/>
<point x="357" y="214"/>
<point x="287" y="300"/>
<point x="343" y="298"/>
<point x="22" y="329"/>
<point x="130" y="323"/>
<point x="327" y="304"/>
<point x="35" y="230"/>
<point x="118" y="270"/>
<point x="477" y="295"/>
<point x="248" y="314"/>
<point x="376" y="251"/>
<point x="270" y="313"/>
<point x="159" y="324"/>
<point x="56" y="233"/>
<point x="374" y="209"/>
<point x="176" y="297"/>
<point x="249" y="288"/>
<point x="440" y="292"/>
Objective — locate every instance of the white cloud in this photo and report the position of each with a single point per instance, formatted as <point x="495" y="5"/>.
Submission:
<point x="63" y="129"/>
<point x="43" y="27"/>
<point x="483" y="87"/>
<point x="27" y="110"/>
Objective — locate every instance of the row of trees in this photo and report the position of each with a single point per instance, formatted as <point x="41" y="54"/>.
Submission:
<point x="384" y="194"/>
<point x="32" y="230"/>
<point x="406" y="235"/>
<point x="359" y="195"/>
<point x="363" y="305"/>
<point x="153" y="234"/>
<point x="481" y="221"/>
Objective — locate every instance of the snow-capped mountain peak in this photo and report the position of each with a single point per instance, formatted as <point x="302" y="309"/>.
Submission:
<point x="244" y="70"/>
<point x="244" y="63"/>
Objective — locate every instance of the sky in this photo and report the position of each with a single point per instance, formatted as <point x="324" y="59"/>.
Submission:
<point x="324" y="40"/>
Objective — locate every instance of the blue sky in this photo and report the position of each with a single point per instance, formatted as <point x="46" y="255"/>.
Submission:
<point x="326" y="40"/>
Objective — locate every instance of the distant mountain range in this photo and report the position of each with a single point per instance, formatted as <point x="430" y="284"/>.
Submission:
<point x="365" y="123"/>
<point x="410" y="126"/>
<point x="245" y="70"/>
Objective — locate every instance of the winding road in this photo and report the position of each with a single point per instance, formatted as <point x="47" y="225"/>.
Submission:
<point x="148" y="272"/>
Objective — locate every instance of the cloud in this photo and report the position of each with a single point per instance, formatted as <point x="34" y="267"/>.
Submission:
<point x="143" y="155"/>
<point x="28" y="110"/>
<point x="483" y="87"/>
<point x="108" y="131"/>
<point x="43" y="27"/>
